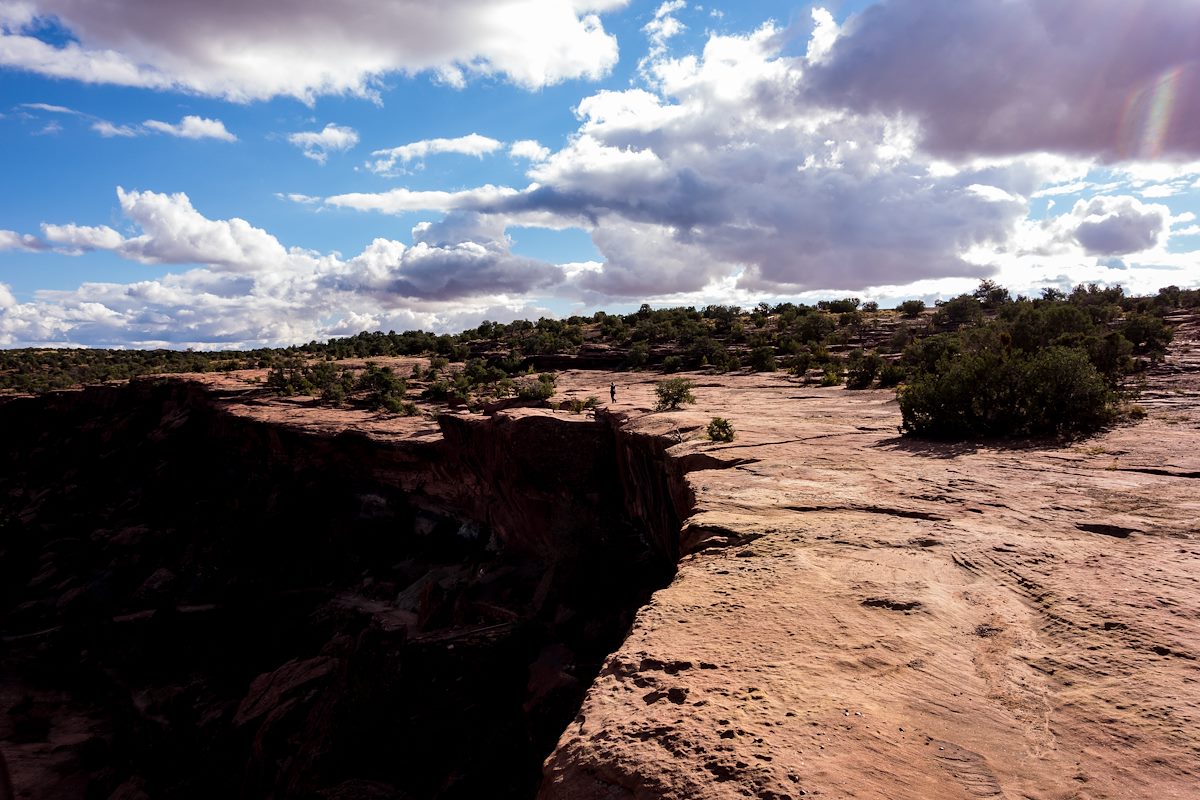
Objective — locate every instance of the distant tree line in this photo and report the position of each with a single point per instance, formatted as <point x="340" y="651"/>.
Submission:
<point x="37" y="370"/>
<point x="971" y="365"/>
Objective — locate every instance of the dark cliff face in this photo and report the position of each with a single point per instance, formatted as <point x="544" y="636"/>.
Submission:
<point x="196" y="604"/>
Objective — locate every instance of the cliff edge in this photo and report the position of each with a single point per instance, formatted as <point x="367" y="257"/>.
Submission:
<point x="861" y="615"/>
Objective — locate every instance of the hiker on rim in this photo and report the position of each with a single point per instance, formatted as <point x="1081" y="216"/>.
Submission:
<point x="612" y="391"/>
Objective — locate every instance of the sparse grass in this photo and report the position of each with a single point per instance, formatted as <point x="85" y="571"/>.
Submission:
<point x="1135" y="411"/>
<point x="576" y="406"/>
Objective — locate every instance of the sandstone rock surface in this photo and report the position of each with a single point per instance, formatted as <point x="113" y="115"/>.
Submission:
<point x="865" y="616"/>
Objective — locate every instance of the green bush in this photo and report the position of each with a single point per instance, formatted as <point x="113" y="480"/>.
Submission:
<point x="329" y="384"/>
<point x="1064" y="393"/>
<point x="891" y="375"/>
<point x="639" y="355"/>
<point x="991" y="294"/>
<point x="672" y="364"/>
<point x="801" y="363"/>
<point x="912" y="309"/>
<point x="903" y="335"/>
<point x="720" y="430"/>
<point x="850" y="319"/>
<point x="672" y="393"/>
<point x="443" y="390"/>
<point x="289" y="376"/>
<point x="511" y="363"/>
<point x="334" y="394"/>
<point x="832" y="376"/>
<point x="405" y="408"/>
<point x="577" y="406"/>
<point x="384" y="389"/>
<point x="925" y="355"/>
<point x="762" y="359"/>
<point x="861" y="369"/>
<point x="1110" y="354"/>
<point x="720" y="360"/>
<point x="842" y="306"/>
<point x="1147" y="334"/>
<point x="541" y="389"/>
<point x="961" y="310"/>
<point x="997" y="391"/>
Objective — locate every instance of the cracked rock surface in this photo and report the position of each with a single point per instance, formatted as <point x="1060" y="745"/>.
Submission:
<point x="865" y="616"/>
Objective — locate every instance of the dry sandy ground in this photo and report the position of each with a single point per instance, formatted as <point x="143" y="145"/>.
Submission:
<point x="894" y="619"/>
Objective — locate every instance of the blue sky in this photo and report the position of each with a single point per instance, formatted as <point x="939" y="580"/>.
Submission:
<point x="672" y="152"/>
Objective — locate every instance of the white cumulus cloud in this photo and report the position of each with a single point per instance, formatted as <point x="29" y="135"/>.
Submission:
<point x="295" y="197"/>
<point x="398" y="201"/>
<point x="743" y="171"/>
<point x="664" y="26"/>
<point x="529" y="149"/>
<point x="192" y="127"/>
<point x="307" y="48"/>
<point x="242" y="287"/>
<point x="108" y="129"/>
<point x="173" y="232"/>
<point x="82" y="237"/>
<point x="471" y="145"/>
<point x="11" y="240"/>
<point x="317" y="145"/>
<point x="825" y="33"/>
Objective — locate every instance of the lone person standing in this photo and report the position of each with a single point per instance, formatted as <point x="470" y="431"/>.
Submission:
<point x="612" y="391"/>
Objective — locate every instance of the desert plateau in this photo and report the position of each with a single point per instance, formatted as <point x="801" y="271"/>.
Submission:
<point x="216" y="590"/>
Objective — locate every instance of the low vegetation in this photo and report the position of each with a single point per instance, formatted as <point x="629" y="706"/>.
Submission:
<point x="540" y="389"/>
<point x="861" y="369"/>
<point x="988" y="388"/>
<point x="1053" y="365"/>
<point x="720" y="430"/>
<point x="980" y="364"/>
<point x="576" y="406"/>
<point x="673" y="393"/>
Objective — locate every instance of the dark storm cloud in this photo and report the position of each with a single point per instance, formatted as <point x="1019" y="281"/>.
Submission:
<point x="1113" y="79"/>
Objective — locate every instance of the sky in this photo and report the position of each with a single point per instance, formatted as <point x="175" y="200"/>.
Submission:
<point x="221" y="174"/>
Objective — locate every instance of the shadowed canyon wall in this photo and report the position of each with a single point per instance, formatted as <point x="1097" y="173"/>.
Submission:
<point x="200" y="604"/>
